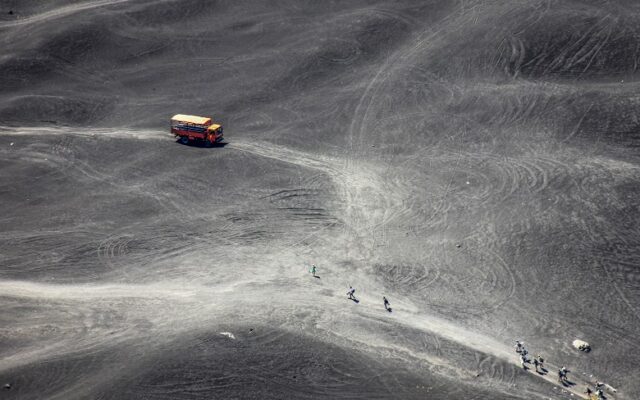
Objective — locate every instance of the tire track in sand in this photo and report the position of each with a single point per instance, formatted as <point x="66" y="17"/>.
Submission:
<point x="352" y="184"/>
<point x="365" y="197"/>
<point x="60" y="12"/>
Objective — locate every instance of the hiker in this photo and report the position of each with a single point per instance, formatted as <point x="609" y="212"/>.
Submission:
<point x="540" y="361"/>
<point x="313" y="270"/>
<point x="523" y="361"/>
<point x="599" y="392"/>
<point x="562" y="374"/>
<point x="386" y="303"/>
<point x="536" y="363"/>
<point x="351" y="292"/>
<point x="518" y="346"/>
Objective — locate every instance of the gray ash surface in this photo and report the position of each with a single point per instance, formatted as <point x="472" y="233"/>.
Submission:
<point x="476" y="162"/>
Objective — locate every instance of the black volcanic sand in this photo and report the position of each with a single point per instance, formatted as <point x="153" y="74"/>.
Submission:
<point x="206" y="364"/>
<point x="473" y="161"/>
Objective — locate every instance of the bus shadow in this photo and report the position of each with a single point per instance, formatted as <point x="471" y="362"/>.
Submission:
<point x="201" y="144"/>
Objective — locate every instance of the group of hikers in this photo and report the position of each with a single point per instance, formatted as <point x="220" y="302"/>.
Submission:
<point x="538" y="362"/>
<point x="596" y="394"/>
<point x="351" y="292"/>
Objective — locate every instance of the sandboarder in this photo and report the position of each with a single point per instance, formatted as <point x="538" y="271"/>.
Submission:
<point x="313" y="270"/>
<point x="536" y="363"/>
<point x="351" y="292"/>
<point x="386" y="303"/>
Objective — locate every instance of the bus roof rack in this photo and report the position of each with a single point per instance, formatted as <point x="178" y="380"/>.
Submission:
<point x="191" y="119"/>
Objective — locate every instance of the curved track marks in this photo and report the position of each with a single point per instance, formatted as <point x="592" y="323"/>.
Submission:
<point x="404" y="156"/>
<point x="60" y="12"/>
<point x="368" y="202"/>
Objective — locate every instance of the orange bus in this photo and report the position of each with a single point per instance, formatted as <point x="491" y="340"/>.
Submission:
<point x="193" y="128"/>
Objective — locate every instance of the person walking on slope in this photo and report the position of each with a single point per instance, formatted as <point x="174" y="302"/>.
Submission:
<point x="386" y="303"/>
<point x="518" y="346"/>
<point x="599" y="392"/>
<point x="589" y="393"/>
<point x="350" y="293"/>
<point x="536" y="363"/>
<point x="540" y="361"/>
<point x="562" y="375"/>
<point x="313" y="270"/>
<point x="523" y="361"/>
